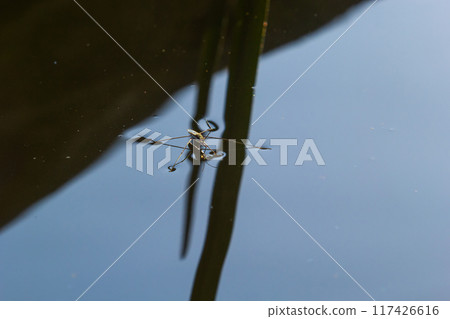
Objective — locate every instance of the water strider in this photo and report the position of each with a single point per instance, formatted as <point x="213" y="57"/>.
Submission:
<point x="197" y="145"/>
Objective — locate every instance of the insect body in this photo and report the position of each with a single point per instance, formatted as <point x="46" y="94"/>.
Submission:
<point x="196" y="145"/>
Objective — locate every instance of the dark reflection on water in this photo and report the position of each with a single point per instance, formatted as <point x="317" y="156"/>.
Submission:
<point x="247" y="37"/>
<point x="77" y="103"/>
<point x="69" y="90"/>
